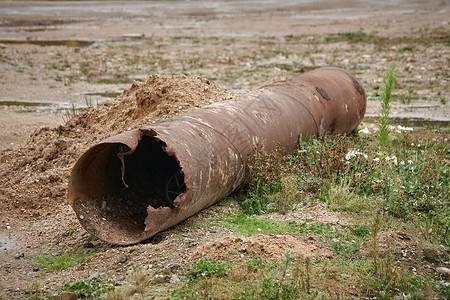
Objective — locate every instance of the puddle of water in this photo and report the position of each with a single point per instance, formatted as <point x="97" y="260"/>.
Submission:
<point x="110" y="95"/>
<point x="411" y="122"/>
<point x="69" y="43"/>
<point x="35" y="105"/>
<point x="27" y="104"/>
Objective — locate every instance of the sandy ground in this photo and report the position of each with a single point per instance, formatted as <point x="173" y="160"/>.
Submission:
<point x="239" y="45"/>
<point x="175" y="33"/>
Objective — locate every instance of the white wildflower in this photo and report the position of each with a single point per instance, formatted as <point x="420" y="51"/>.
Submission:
<point x="410" y="162"/>
<point x="401" y="129"/>
<point x="376" y="159"/>
<point x="365" y="130"/>
<point x="394" y="159"/>
<point x="353" y="153"/>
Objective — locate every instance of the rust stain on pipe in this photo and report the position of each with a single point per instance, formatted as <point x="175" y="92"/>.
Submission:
<point x="141" y="182"/>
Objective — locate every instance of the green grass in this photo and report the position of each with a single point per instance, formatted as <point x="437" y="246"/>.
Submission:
<point x="205" y="268"/>
<point x="87" y="288"/>
<point x="55" y="263"/>
<point x="419" y="38"/>
<point x="249" y="226"/>
<point x="252" y="279"/>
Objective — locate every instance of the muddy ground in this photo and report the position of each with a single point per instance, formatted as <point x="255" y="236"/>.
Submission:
<point x="59" y="58"/>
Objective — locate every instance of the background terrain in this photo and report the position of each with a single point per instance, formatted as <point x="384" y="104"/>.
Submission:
<point x="58" y="60"/>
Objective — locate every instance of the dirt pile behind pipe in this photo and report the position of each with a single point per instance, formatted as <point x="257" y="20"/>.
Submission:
<point x="33" y="177"/>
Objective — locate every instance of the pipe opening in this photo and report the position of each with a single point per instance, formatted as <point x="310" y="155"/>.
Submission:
<point x="152" y="176"/>
<point x="117" y="213"/>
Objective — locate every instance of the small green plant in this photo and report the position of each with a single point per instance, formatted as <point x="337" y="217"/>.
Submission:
<point x="55" y="263"/>
<point x="386" y="89"/>
<point x="204" y="268"/>
<point x="318" y="229"/>
<point x="35" y="290"/>
<point x="70" y="232"/>
<point x="87" y="288"/>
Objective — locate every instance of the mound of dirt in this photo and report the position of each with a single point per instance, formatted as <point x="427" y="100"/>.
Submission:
<point x="406" y="249"/>
<point x="267" y="247"/>
<point x="34" y="177"/>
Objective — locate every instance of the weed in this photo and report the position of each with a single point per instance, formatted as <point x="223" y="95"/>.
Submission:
<point x="85" y="68"/>
<point x="89" y="102"/>
<point x="342" y="198"/>
<point x="36" y="290"/>
<point x="138" y="282"/>
<point x="55" y="263"/>
<point x="374" y="242"/>
<point x="318" y="229"/>
<point x="361" y="231"/>
<point x="88" y="288"/>
<point x="285" y="200"/>
<point x="204" y="268"/>
<point x="69" y="113"/>
<point x="386" y="96"/>
<point x="302" y="274"/>
<point x="70" y="232"/>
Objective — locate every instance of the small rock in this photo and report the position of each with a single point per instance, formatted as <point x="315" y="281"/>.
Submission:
<point x="444" y="271"/>
<point x="159" y="279"/>
<point x="173" y="266"/>
<point x="95" y="276"/>
<point x="69" y="295"/>
<point x="142" y="250"/>
<point x="122" y="259"/>
<point x="35" y="269"/>
<point x="117" y="283"/>
<point x="20" y="255"/>
<point x="174" y="279"/>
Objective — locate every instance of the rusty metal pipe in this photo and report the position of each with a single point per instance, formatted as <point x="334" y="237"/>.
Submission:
<point x="131" y="186"/>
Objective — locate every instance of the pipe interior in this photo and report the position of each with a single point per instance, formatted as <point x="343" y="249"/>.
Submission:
<point x="153" y="178"/>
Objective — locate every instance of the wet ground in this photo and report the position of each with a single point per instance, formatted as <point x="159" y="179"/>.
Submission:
<point x="70" y="55"/>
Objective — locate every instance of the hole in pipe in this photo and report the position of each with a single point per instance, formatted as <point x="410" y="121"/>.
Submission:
<point x="116" y="212"/>
<point x="152" y="175"/>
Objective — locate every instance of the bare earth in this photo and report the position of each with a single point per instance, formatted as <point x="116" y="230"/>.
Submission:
<point x="233" y="45"/>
